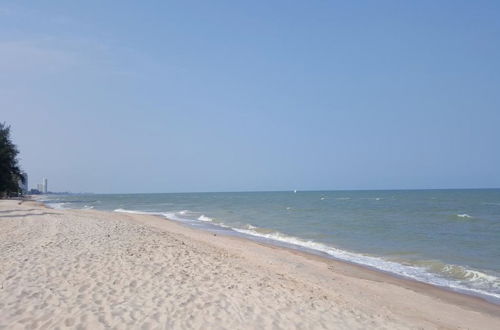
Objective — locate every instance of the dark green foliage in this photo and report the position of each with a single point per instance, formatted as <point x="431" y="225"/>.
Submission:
<point x="10" y="173"/>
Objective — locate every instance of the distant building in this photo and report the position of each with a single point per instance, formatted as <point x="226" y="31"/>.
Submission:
<point x="45" y="186"/>
<point x="39" y="187"/>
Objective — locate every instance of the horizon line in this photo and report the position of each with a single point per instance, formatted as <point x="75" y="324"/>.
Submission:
<point x="270" y="191"/>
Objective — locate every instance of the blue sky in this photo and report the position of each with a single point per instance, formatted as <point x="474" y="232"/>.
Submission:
<point x="129" y="96"/>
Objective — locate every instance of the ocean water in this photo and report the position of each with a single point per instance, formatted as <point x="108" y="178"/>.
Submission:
<point x="449" y="238"/>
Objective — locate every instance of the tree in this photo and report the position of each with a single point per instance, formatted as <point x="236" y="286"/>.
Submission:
<point x="10" y="173"/>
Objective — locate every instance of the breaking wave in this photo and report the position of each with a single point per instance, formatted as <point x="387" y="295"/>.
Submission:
<point x="205" y="218"/>
<point x="57" y="206"/>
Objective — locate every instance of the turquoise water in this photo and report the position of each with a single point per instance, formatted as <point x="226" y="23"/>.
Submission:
<point x="449" y="238"/>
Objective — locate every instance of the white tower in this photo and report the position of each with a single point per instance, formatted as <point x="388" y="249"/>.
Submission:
<point x="45" y="186"/>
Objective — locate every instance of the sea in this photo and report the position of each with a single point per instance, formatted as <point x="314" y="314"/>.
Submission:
<point x="448" y="238"/>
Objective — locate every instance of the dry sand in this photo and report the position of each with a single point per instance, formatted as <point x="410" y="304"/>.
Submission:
<point x="92" y="270"/>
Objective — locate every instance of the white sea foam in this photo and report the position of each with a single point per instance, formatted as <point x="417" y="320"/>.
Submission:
<point x="129" y="211"/>
<point x="173" y="216"/>
<point x="205" y="218"/>
<point x="181" y="216"/>
<point x="471" y="275"/>
<point x="464" y="215"/>
<point x="168" y="215"/>
<point x="477" y="276"/>
<point x="137" y="212"/>
<point x="57" y="206"/>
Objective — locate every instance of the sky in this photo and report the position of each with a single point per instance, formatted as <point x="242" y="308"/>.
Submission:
<point x="181" y="96"/>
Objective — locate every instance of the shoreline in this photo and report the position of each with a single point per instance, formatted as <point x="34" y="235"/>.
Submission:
<point x="471" y="277"/>
<point x="305" y="287"/>
<point x="473" y="301"/>
<point x="229" y="231"/>
<point x="360" y="271"/>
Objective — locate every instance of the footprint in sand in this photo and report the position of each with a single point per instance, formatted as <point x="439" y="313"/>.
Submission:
<point x="84" y="287"/>
<point x="69" y="322"/>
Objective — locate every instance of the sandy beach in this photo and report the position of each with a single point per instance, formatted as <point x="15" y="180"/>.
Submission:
<point x="86" y="269"/>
